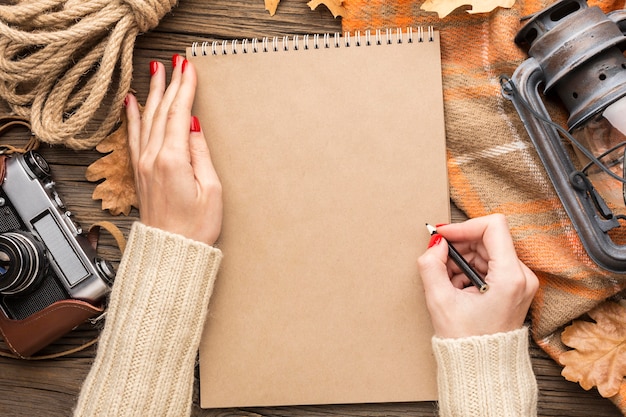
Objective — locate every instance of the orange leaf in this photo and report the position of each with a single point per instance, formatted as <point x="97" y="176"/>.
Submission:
<point x="117" y="191"/>
<point x="334" y="6"/>
<point x="271" y="6"/>
<point x="599" y="355"/>
<point x="445" y="7"/>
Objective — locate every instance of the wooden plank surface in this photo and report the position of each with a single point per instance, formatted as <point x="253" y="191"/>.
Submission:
<point x="49" y="388"/>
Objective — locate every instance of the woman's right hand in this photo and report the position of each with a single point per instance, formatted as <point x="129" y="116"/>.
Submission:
<point x="457" y="308"/>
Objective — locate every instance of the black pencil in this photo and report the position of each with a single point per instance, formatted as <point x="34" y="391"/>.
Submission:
<point x="458" y="259"/>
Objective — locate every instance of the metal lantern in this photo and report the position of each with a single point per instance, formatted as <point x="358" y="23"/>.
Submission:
<point x="576" y="53"/>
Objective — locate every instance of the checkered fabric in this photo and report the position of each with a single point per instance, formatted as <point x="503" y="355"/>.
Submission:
<point x="492" y="164"/>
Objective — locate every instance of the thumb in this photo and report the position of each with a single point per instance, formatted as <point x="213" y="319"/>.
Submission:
<point x="199" y="153"/>
<point x="433" y="269"/>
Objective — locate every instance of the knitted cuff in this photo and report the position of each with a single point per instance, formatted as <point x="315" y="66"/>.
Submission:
<point x="160" y="269"/>
<point x="488" y="375"/>
<point x="147" y="350"/>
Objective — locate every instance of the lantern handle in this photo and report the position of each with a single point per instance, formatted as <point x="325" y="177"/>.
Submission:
<point x="509" y="89"/>
<point x="589" y="219"/>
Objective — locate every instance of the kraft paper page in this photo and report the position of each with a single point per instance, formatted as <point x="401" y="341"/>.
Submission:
<point x="332" y="159"/>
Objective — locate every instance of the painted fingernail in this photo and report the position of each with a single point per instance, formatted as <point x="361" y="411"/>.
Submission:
<point x="195" y="124"/>
<point x="126" y="100"/>
<point x="174" y="60"/>
<point x="184" y="65"/>
<point x="154" y="67"/>
<point x="434" y="240"/>
<point x="441" y="224"/>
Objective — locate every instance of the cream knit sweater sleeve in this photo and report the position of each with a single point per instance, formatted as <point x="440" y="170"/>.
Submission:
<point x="486" y="376"/>
<point x="147" y="350"/>
<point x="146" y="355"/>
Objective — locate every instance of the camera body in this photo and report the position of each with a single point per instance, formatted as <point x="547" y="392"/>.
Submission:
<point x="44" y="255"/>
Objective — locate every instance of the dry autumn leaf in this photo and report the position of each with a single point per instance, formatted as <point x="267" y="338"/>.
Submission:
<point x="445" y="7"/>
<point x="334" y="6"/>
<point x="271" y="5"/>
<point x="117" y="191"/>
<point x="599" y="354"/>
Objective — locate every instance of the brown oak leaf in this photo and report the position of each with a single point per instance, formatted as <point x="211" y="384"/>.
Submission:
<point x="598" y="357"/>
<point x="335" y="6"/>
<point x="271" y="5"/>
<point x="445" y="7"/>
<point x="117" y="191"/>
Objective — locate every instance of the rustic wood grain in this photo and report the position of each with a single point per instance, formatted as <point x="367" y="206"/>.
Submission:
<point x="49" y="388"/>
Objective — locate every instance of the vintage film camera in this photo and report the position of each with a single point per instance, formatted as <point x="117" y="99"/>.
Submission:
<point x="44" y="256"/>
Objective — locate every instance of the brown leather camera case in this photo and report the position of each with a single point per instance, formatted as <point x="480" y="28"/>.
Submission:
<point x="26" y="337"/>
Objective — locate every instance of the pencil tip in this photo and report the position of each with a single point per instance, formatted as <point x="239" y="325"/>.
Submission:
<point x="431" y="229"/>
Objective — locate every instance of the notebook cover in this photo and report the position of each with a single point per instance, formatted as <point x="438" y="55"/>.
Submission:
<point x="331" y="160"/>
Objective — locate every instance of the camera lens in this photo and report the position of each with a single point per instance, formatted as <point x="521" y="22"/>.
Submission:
<point x="22" y="262"/>
<point x="37" y="164"/>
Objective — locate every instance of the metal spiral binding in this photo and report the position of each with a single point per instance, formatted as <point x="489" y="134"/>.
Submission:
<point x="316" y="41"/>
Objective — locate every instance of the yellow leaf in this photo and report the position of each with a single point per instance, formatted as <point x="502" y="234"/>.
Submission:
<point x="117" y="191"/>
<point x="335" y="6"/>
<point x="445" y="7"/>
<point x="271" y="5"/>
<point x="599" y="354"/>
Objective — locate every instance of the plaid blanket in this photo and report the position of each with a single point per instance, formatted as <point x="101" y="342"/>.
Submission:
<point x="492" y="164"/>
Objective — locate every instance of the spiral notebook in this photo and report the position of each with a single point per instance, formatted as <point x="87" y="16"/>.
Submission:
<point x="331" y="153"/>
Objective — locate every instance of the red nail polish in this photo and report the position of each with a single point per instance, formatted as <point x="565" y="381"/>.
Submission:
<point x="184" y="65"/>
<point x="126" y="100"/>
<point x="154" y="67"/>
<point x="441" y="224"/>
<point x="434" y="240"/>
<point x="174" y="60"/>
<point x="195" y="124"/>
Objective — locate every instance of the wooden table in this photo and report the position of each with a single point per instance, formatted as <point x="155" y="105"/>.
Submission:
<point x="49" y="388"/>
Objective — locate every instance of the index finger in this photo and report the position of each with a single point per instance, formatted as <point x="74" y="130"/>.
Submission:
<point x="432" y="266"/>
<point x="492" y="231"/>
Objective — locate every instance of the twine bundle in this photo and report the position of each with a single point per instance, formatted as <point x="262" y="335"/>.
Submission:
<point x="63" y="60"/>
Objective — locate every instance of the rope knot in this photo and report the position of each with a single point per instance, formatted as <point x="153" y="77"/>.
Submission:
<point x="148" y="13"/>
<point x="65" y="61"/>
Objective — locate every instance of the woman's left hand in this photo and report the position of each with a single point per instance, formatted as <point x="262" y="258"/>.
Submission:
<point x="178" y="188"/>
